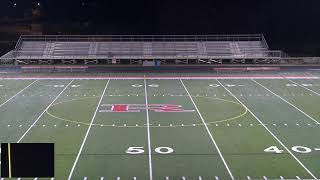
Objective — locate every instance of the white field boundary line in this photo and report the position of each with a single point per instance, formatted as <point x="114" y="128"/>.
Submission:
<point x="274" y="136"/>
<point x="44" y="112"/>
<point x="305" y="87"/>
<point x="18" y="93"/>
<point x="287" y="102"/>
<point x="208" y="131"/>
<point x="148" y="130"/>
<point x="160" y="77"/>
<point x="88" y="130"/>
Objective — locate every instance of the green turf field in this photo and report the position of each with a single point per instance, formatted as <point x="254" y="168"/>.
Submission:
<point x="160" y="129"/>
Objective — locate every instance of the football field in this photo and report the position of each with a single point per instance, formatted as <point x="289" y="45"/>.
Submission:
<point x="168" y="128"/>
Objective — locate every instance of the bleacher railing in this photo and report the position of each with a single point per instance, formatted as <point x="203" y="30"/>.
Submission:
<point x="98" y="38"/>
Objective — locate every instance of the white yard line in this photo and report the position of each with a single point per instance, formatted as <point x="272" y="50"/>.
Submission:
<point x="204" y="123"/>
<point x="148" y="130"/>
<point x="274" y="136"/>
<point x="17" y="93"/>
<point x="286" y="102"/>
<point x="88" y="130"/>
<point x="43" y="112"/>
<point x="305" y="87"/>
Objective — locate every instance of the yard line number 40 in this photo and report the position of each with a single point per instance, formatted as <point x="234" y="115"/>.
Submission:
<point x="298" y="149"/>
<point x="140" y="150"/>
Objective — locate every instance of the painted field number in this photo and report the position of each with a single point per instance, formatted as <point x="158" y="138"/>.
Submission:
<point x="58" y="86"/>
<point x="301" y="149"/>
<point x="273" y="149"/>
<point x="150" y="85"/>
<point x="163" y="150"/>
<point x="140" y="150"/>
<point x="298" y="149"/>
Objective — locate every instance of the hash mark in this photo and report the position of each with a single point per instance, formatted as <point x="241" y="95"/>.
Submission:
<point x="200" y="178"/>
<point x="281" y="177"/>
<point x="217" y="178"/>
<point x="248" y="177"/>
<point x="265" y="178"/>
<point x="297" y="177"/>
<point x="183" y="178"/>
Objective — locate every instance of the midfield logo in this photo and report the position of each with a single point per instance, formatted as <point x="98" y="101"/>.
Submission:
<point x="139" y="107"/>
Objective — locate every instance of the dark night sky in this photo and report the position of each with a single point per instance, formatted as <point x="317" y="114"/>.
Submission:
<point x="291" y="25"/>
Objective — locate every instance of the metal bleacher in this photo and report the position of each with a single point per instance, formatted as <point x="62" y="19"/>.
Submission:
<point x="199" y="49"/>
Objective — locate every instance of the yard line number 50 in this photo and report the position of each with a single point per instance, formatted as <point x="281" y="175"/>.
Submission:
<point x="140" y="150"/>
